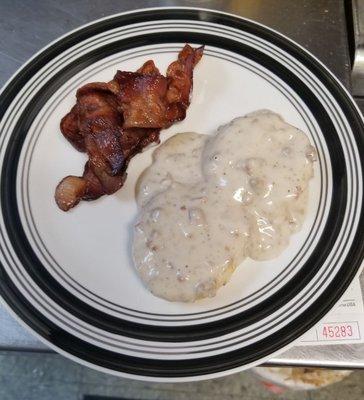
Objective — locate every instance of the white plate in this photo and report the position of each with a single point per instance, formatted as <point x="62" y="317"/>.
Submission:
<point x="70" y="278"/>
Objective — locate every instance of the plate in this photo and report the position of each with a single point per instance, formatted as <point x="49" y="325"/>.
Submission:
<point x="69" y="276"/>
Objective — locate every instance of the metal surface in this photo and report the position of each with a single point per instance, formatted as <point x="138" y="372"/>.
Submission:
<point x="358" y="63"/>
<point x="337" y="356"/>
<point x="318" y="25"/>
<point x="334" y="356"/>
<point x="14" y="337"/>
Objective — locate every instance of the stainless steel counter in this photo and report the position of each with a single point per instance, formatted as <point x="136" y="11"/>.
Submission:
<point x="318" y="25"/>
<point x="358" y="59"/>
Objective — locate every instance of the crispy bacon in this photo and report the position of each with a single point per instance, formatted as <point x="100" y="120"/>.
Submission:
<point x="113" y="121"/>
<point x="70" y="191"/>
<point x="148" y="68"/>
<point x="71" y="131"/>
<point x="142" y="99"/>
<point x="179" y="75"/>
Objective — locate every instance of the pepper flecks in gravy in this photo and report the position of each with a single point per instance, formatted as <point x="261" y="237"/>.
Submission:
<point x="208" y="202"/>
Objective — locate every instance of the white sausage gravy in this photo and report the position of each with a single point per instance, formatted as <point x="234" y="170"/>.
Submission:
<point x="208" y="202"/>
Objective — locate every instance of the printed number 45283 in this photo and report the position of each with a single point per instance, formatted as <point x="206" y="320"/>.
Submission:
<point x="337" y="331"/>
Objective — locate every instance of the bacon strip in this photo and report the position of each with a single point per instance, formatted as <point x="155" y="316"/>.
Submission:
<point x="113" y="121"/>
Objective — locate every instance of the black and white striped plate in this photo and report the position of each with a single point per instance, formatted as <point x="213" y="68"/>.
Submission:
<point x="69" y="277"/>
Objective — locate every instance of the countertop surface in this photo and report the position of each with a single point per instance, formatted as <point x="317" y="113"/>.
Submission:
<point x="318" y="25"/>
